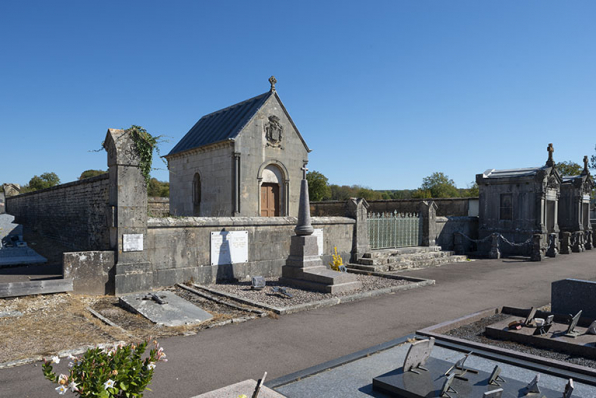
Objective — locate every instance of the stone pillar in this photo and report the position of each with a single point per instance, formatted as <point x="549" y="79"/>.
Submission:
<point x="428" y="212"/>
<point x="552" y="246"/>
<point x="357" y="208"/>
<point x="536" y="248"/>
<point x="565" y="242"/>
<point x="588" y="240"/>
<point x="128" y="222"/>
<point x="577" y="246"/>
<point x="494" y="253"/>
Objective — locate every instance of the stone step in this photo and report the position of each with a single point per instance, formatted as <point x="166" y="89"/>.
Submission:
<point x="400" y="251"/>
<point x="404" y="257"/>
<point x="405" y="264"/>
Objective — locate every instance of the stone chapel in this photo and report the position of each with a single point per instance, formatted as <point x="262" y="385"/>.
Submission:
<point x="243" y="160"/>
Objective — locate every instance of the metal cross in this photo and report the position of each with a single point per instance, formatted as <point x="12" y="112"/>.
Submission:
<point x="304" y="170"/>
<point x="585" y="164"/>
<point x="272" y="80"/>
<point x="550" y="150"/>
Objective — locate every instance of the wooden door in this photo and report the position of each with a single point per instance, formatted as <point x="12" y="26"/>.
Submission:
<point x="269" y="200"/>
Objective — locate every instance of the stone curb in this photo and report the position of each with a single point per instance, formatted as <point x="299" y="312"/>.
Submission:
<point x="418" y="282"/>
<point x="210" y="297"/>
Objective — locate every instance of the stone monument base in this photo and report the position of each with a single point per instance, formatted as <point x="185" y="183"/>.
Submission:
<point x="305" y="270"/>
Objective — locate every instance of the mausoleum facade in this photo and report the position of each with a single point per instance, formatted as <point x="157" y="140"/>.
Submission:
<point x="243" y="160"/>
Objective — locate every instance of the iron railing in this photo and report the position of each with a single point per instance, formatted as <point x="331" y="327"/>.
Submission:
<point x="392" y="230"/>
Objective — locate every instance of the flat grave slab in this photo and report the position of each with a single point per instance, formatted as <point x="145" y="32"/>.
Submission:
<point x="429" y="384"/>
<point x="172" y="311"/>
<point x="245" y="387"/>
<point x="583" y="344"/>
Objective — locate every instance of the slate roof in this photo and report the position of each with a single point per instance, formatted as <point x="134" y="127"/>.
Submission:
<point x="526" y="172"/>
<point x="221" y="125"/>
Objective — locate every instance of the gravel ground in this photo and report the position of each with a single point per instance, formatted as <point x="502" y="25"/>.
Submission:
<point x="475" y="332"/>
<point x="268" y="297"/>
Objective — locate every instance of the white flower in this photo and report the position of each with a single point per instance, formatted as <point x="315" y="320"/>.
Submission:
<point x="70" y="364"/>
<point x="151" y="366"/>
<point x="61" y="390"/>
<point x="55" y="359"/>
<point x="73" y="386"/>
<point x="108" y="384"/>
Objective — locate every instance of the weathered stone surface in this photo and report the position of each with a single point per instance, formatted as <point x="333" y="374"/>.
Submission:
<point x="174" y="312"/>
<point x="92" y="271"/>
<point x="244" y="387"/>
<point x="568" y="296"/>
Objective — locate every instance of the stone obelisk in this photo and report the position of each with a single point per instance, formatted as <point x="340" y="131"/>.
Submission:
<point x="304" y="268"/>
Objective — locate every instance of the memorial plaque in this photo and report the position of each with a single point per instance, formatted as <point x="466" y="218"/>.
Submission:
<point x="319" y="234"/>
<point x="495" y="377"/>
<point x="592" y="328"/>
<point x="132" y="242"/>
<point x="568" y="389"/>
<point x="446" y="389"/>
<point x="530" y="317"/>
<point x="229" y="247"/>
<point x="417" y="355"/>
<point x="533" y="386"/>
<point x="571" y="332"/>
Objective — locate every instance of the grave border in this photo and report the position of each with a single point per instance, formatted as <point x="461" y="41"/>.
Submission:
<point x="417" y="282"/>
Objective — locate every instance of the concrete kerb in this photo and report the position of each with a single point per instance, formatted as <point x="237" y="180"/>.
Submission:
<point x="417" y="282"/>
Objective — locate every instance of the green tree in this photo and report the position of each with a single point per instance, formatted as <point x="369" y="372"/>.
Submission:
<point x="569" y="168"/>
<point x="318" y="187"/>
<point x="46" y="180"/>
<point x="158" y="188"/>
<point x="439" y="185"/>
<point x="91" y="173"/>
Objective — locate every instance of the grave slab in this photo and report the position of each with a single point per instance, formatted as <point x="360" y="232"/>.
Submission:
<point x="245" y="387"/>
<point x="174" y="311"/>
<point x="554" y="339"/>
<point x="429" y="384"/>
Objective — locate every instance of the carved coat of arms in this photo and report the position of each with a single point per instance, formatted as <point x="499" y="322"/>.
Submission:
<point x="274" y="132"/>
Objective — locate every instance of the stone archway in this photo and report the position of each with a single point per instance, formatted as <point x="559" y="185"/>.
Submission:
<point x="273" y="190"/>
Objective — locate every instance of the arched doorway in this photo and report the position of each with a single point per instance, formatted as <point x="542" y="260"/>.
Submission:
<point x="271" y="192"/>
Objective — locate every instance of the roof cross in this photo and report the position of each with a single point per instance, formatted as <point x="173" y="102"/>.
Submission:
<point x="272" y="80"/>
<point x="304" y="170"/>
<point x="550" y="149"/>
<point x="585" y="165"/>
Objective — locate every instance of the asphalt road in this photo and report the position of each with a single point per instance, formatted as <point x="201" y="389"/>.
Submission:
<point x="225" y="355"/>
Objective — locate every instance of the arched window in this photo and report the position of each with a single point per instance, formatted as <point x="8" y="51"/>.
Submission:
<point x="196" y="195"/>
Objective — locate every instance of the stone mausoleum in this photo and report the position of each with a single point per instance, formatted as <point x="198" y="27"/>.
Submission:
<point x="519" y="204"/>
<point x="574" y="211"/>
<point x="243" y="160"/>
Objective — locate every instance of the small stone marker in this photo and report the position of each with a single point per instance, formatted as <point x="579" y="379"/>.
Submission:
<point x="255" y="394"/>
<point x="446" y="389"/>
<point x="568" y="389"/>
<point x="417" y="355"/>
<point x="544" y="328"/>
<point x="258" y="282"/>
<point x="495" y="377"/>
<point x="172" y="311"/>
<point x="533" y="386"/>
<point x="498" y="393"/>
<point x="592" y="328"/>
<point x="530" y="317"/>
<point x="571" y="332"/>
<point x="282" y="291"/>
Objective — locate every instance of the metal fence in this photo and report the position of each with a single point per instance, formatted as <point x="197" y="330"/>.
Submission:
<point x="391" y="230"/>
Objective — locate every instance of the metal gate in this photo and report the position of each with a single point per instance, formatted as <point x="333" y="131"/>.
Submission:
<point x="391" y="230"/>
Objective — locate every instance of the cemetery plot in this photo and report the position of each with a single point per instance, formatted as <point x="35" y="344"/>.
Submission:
<point x="284" y="299"/>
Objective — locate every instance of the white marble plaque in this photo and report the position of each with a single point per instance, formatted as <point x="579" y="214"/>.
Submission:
<point x="319" y="234"/>
<point x="586" y="199"/>
<point x="229" y="247"/>
<point x="132" y="242"/>
<point x="551" y="194"/>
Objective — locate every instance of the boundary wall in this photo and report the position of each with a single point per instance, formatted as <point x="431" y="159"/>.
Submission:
<point x="74" y="214"/>
<point x="180" y="248"/>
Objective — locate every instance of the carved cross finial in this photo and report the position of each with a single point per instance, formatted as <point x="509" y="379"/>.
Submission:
<point x="550" y="149"/>
<point x="585" y="165"/>
<point x="304" y="170"/>
<point x="272" y="80"/>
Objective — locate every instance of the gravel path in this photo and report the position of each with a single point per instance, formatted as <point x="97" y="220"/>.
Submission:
<point x="268" y="297"/>
<point x="475" y="332"/>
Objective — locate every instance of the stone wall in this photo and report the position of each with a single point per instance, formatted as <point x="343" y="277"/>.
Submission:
<point x="446" y="207"/>
<point x="158" y="206"/>
<point x="75" y="214"/>
<point x="448" y="226"/>
<point x="179" y="248"/>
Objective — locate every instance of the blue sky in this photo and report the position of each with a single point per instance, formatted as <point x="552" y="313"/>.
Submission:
<point x="384" y="92"/>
